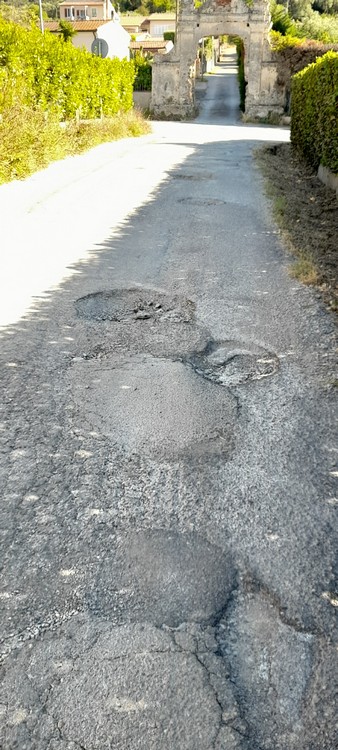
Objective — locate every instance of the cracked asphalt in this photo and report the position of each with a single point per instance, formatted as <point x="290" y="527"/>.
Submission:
<point x="168" y="454"/>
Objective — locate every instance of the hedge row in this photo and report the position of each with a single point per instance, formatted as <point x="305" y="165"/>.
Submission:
<point x="143" y="70"/>
<point x="42" y="70"/>
<point x="314" y="121"/>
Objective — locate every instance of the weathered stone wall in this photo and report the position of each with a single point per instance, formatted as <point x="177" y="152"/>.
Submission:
<point x="173" y="89"/>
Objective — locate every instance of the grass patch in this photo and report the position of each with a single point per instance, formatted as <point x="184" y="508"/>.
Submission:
<point x="305" y="271"/>
<point x="86" y="135"/>
<point x="279" y="206"/>
<point x="31" y="139"/>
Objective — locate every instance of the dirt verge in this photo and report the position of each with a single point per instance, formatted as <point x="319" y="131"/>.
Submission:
<point x="307" y="213"/>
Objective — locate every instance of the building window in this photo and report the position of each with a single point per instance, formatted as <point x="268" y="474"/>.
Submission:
<point x="69" y="12"/>
<point x="94" y="12"/>
<point x="158" y="30"/>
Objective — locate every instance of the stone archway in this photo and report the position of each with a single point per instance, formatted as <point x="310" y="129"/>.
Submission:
<point x="173" y="90"/>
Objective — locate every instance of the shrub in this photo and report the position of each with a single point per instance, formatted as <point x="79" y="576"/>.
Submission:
<point x="240" y="70"/>
<point x="169" y="36"/>
<point x="31" y="139"/>
<point x="292" y="55"/>
<point x="208" y="48"/>
<point x="143" y="73"/>
<point x="281" y="20"/>
<point x="280" y="41"/>
<point x="314" y="122"/>
<point x="43" y="71"/>
<point x="317" y="26"/>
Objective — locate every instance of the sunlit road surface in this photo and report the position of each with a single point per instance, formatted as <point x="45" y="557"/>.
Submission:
<point x="58" y="216"/>
<point x="168" y="460"/>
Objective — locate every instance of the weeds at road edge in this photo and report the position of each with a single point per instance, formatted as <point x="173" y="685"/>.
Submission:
<point x="30" y="139"/>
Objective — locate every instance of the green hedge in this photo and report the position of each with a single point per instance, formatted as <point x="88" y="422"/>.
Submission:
<point x="240" y="70"/>
<point x="44" y="71"/>
<point x="314" y="121"/>
<point x="169" y="36"/>
<point x="143" y="73"/>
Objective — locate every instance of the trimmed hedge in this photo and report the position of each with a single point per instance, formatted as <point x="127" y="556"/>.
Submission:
<point x="143" y="73"/>
<point x="44" y="71"/>
<point x="314" y="121"/>
<point x="169" y="36"/>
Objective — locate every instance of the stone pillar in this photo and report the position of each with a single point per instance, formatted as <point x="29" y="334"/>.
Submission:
<point x="261" y="99"/>
<point x="173" y="89"/>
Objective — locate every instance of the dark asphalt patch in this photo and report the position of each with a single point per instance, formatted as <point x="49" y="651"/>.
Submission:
<point x="135" y="305"/>
<point x="231" y="363"/>
<point x="162" y="577"/>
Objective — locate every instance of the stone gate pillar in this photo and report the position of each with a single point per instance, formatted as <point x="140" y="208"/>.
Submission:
<point x="173" y="89"/>
<point x="258" y="25"/>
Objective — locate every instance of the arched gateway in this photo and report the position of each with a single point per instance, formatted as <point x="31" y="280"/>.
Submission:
<point x="173" y="90"/>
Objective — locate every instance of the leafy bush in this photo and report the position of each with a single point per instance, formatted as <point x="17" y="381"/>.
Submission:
<point x="292" y="55"/>
<point x="318" y="26"/>
<point x="44" y="71"/>
<point x="208" y="48"/>
<point x="240" y="70"/>
<point x="29" y="140"/>
<point x="306" y="19"/>
<point x="314" y="122"/>
<point x="281" y="20"/>
<point x="143" y="73"/>
<point x="169" y="36"/>
<point x="279" y="41"/>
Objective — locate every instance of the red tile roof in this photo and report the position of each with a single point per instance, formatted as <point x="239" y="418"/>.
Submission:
<point x="161" y="17"/>
<point x="77" y="25"/>
<point x="150" y="44"/>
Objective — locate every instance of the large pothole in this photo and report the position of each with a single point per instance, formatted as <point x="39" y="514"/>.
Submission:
<point x="135" y="305"/>
<point x="154" y="407"/>
<point x="230" y="363"/>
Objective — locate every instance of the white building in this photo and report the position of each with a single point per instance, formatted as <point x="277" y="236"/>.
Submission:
<point x="77" y="10"/>
<point x="110" y="31"/>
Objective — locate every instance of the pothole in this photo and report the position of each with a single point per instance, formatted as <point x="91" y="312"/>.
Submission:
<point x="229" y="363"/>
<point x="135" y="305"/>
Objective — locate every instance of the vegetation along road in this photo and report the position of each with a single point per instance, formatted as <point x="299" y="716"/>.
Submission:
<point x="168" y="459"/>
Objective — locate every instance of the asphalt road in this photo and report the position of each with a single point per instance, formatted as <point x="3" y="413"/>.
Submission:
<point x="168" y="465"/>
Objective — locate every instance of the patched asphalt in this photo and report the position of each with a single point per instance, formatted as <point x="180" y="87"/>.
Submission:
<point x="169" y="456"/>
